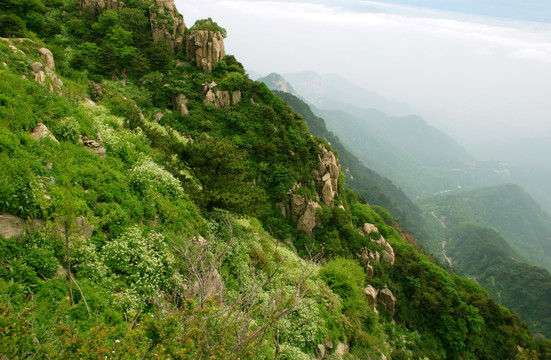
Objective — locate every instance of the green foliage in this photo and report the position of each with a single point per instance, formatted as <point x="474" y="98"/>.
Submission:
<point x="11" y="26"/>
<point x="222" y="170"/>
<point x="232" y="81"/>
<point x="67" y="129"/>
<point x="208" y="24"/>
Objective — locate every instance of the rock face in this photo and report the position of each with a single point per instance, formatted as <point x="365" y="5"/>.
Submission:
<point x="307" y="221"/>
<point x="167" y="24"/>
<point x="205" y="47"/>
<point x="48" y="57"/>
<point x="44" y="74"/>
<point x="41" y="132"/>
<point x="98" y="6"/>
<point x="179" y="102"/>
<point x="94" y="145"/>
<point x="387" y="301"/>
<point x="220" y="98"/>
<point x="13" y="226"/>
<point x="371" y="294"/>
<point x="328" y="176"/>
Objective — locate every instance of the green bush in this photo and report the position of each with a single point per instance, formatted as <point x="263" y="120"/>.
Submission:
<point x="11" y="26"/>
<point x="67" y="129"/>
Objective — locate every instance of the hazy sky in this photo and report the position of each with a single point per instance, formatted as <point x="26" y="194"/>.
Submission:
<point x="470" y="73"/>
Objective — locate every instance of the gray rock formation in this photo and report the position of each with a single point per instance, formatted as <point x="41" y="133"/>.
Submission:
<point x="94" y="145"/>
<point x="342" y="349"/>
<point x="320" y="351"/>
<point x="328" y="176"/>
<point x="13" y="226"/>
<point x="387" y="301"/>
<point x="48" y="57"/>
<point x="97" y="6"/>
<point x="179" y="102"/>
<point x="371" y="294"/>
<point x="167" y="24"/>
<point x="41" y="132"/>
<point x="308" y="220"/>
<point x="369" y="228"/>
<point x="220" y="98"/>
<point x="205" y="48"/>
<point x="369" y="272"/>
<point x="298" y="206"/>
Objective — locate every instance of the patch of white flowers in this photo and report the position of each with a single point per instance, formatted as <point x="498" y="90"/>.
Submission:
<point x="142" y="261"/>
<point x="87" y="261"/>
<point x="289" y="352"/>
<point x="147" y="176"/>
<point x="304" y="328"/>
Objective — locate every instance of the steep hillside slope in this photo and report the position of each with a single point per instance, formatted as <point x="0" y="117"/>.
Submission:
<point x="508" y="210"/>
<point x="160" y="204"/>
<point x="376" y="189"/>
<point x="483" y="255"/>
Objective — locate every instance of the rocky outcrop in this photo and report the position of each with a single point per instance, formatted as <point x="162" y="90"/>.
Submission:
<point x="41" y="132"/>
<point x="205" y="47"/>
<point x="328" y="176"/>
<point x="48" y="57"/>
<point x="97" y="6"/>
<point x="387" y="252"/>
<point x="342" y="349"/>
<point x="44" y="74"/>
<point x="387" y="301"/>
<point x="308" y="221"/>
<point x="220" y="98"/>
<point x="320" y="351"/>
<point x="13" y="226"/>
<point x="371" y="294"/>
<point x="94" y="146"/>
<point x="180" y="104"/>
<point x="167" y="24"/>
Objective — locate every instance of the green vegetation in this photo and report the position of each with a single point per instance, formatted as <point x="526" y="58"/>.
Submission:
<point x="173" y="245"/>
<point x="489" y="234"/>
<point x="208" y="24"/>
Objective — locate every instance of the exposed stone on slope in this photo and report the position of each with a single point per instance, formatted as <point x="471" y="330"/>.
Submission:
<point x="205" y="48"/>
<point x="298" y="206"/>
<point x="328" y="176"/>
<point x="94" y="145"/>
<point x="41" y="132"/>
<point x="320" y="351"/>
<point x="167" y="24"/>
<point x="179" y="102"/>
<point x="387" y="301"/>
<point x="48" y="57"/>
<point x="13" y="226"/>
<point x="307" y="221"/>
<point x="369" y="272"/>
<point x="220" y="98"/>
<point x="342" y="349"/>
<point x="371" y="294"/>
<point x="97" y="6"/>
<point x="370" y="228"/>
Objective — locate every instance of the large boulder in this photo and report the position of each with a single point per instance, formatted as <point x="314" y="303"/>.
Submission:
<point x="48" y="57"/>
<point x="298" y="206"/>
<point x="387" y="301"/>
<point x="41" y="132"/>
<point x="167" y="24"/>
<point x="328" y="176"/>
<point x="308" y="221"/>
<point x="220" y="98"/>
<point x="205" y="47"/>
<point x="180" y="104"/>
<point x="371" y="294"/>
<point x="97" y="6"/>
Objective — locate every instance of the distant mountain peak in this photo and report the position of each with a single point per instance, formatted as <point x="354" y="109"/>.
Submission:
<point x="275" y="81"/>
